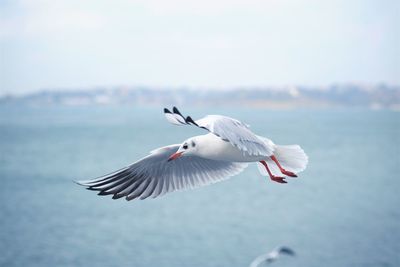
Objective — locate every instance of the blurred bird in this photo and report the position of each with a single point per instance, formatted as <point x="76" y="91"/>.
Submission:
<point x="272" y="256"/>
<point x="201" y="160"/>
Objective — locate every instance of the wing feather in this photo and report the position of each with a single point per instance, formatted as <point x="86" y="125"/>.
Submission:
<point x="153" y="175"/>
<point x="228" y="129"/>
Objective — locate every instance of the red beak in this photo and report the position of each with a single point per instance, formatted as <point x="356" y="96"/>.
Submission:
<point x="175" y="156"/>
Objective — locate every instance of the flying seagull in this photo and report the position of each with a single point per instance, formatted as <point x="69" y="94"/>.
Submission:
<point x="224" y="151"/>
<point x="272" y="256"/>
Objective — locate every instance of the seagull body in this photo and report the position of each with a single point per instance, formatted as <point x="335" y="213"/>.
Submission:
<point x="210" y="146"/>
<point x="201" y="160"/>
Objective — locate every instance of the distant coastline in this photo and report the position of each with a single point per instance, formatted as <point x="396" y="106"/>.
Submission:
<point x="379" y="96"/>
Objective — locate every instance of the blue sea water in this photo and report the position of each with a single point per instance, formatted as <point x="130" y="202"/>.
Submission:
<point x="342" y="211"/>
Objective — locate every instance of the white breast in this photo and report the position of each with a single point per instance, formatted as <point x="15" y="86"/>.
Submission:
<point x="213" y="147"/>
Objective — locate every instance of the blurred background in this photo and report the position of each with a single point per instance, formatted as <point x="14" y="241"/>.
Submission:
<point x="82" y="88"/>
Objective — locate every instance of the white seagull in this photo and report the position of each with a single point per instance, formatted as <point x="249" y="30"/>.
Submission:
<point x="201" y="160"/>
<point x="272" y="256"/>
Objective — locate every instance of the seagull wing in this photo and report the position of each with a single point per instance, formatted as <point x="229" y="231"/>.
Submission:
<point x="228" y="129"/>
<point x="153" y="175"/>
<point x="264" y="258"/>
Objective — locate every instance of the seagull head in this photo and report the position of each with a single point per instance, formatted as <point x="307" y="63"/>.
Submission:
<point x="188" y="147"/>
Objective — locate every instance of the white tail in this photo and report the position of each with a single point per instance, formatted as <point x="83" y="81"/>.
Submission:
<point x="292" y="158"/>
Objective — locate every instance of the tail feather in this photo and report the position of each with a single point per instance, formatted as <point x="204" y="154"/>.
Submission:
<point x="292" y="158"/>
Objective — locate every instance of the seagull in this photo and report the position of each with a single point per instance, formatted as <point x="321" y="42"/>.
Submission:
<point x="226" y="150"/>
<point x="272" y="256"/>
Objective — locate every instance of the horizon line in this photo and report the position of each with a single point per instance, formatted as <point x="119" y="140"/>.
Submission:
<point x="191" y="88"/>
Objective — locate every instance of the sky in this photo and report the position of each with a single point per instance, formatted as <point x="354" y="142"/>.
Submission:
<point x="52" y="45"/>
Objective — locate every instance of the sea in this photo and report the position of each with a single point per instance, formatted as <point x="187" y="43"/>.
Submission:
<point x="343" y="210"/>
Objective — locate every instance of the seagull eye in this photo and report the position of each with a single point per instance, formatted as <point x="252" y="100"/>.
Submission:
<point x="185" y="146"/>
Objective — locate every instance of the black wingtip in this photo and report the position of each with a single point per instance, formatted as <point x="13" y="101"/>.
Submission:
<point x="167" y="111"/>
<point x="104" y="193"/>
<point x="190" y="120"/>
<point x="116" y="196"/>
<point x="175" y="110"/>
<point x="287" y="250"/>
<point x="91" y="188"/>
<point x="77" y="182"/>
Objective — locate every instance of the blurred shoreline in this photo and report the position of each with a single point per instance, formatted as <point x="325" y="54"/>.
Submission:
<point x="373" y="97"/>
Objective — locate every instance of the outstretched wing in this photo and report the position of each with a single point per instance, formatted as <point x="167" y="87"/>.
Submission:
<point x="271" y="256"/>
<point x="154" y="176"/>
<point x="261" y="260"/>
<point x="228" y="129"/>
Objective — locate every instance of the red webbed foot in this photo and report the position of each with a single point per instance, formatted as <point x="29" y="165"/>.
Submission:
<point x="279" y="179"/>
<point x="288" y="173"/>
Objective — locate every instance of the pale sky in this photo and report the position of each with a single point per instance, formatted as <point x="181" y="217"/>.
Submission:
<point x="49" y="44"/>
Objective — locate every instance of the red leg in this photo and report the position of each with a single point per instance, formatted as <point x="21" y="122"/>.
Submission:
<point x="285" y="172"/>
<point x="277" y="179"/>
